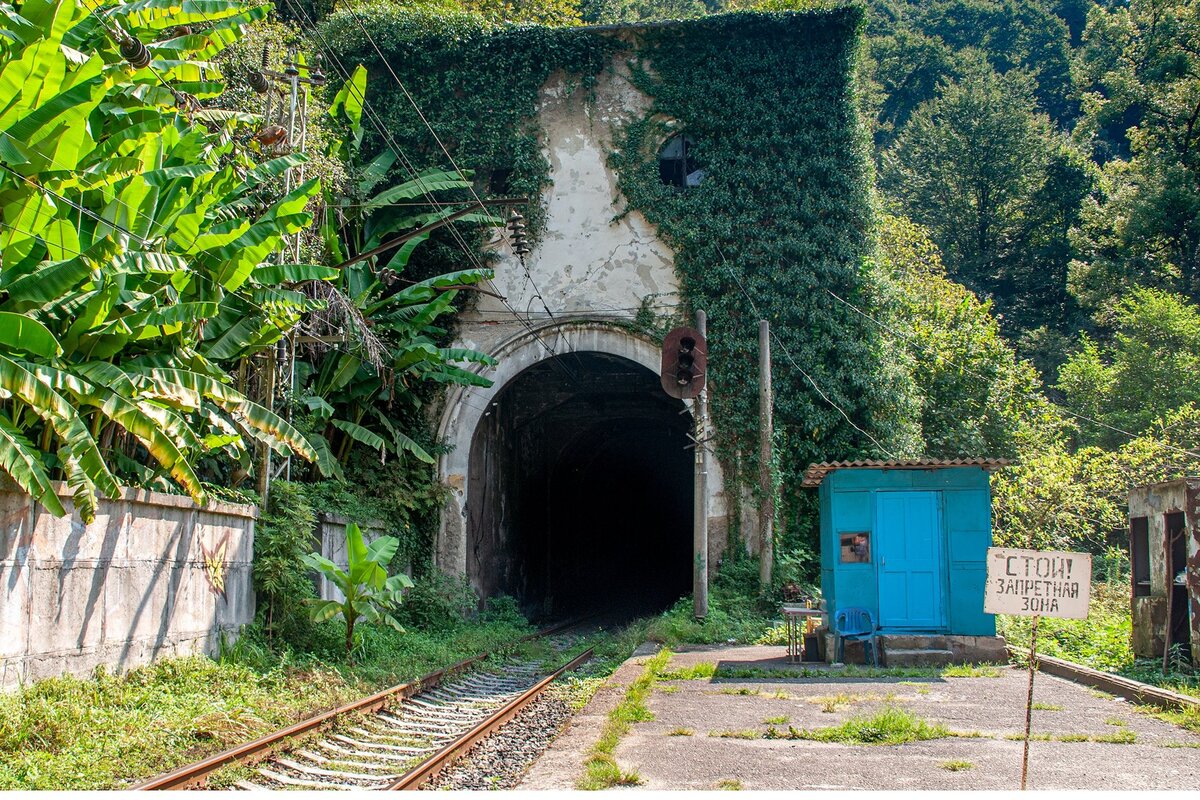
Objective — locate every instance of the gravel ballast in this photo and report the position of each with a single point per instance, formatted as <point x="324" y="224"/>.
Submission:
<point x="500" y="760"/>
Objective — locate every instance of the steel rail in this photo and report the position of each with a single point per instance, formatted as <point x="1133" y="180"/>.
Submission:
<point x="428" y="769"/>
<point x="196" y="775"/>
<point x="1134" y="691"/>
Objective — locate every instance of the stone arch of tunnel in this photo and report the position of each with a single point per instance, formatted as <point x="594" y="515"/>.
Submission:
<point x="570" y="480"/>
<point x="582" y="487"/>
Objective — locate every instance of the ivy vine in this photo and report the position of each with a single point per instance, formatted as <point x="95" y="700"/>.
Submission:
<point x="785" y="210"/>
<point x="783" y="213"/>
<point x="479" y="86"/>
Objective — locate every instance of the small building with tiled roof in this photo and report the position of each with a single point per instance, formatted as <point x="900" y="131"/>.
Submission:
<point x="907" y="540"/>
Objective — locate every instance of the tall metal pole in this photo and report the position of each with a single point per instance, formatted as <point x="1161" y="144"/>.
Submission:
<point x="766" y="484"/>
<point x="700" y="494"/>
<point x="1029" y="700"/>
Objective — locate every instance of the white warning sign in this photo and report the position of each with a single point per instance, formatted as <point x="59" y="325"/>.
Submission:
<point x="1038" y="583"/>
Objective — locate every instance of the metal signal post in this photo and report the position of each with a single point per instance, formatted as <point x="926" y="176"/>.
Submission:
<point x="684" y="364"/>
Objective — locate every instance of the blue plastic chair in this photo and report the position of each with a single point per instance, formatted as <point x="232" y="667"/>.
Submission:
<point x="857" y="625"/>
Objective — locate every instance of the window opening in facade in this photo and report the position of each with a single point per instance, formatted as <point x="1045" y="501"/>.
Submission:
<point x="677" y="166"/>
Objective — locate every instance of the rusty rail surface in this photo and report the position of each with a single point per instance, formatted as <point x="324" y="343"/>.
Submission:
<point x="1134" y="691"/>
<point x="196" y="775"/>
<point x="418" y="776"/>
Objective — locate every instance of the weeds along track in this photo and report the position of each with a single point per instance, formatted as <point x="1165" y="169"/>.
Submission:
<point x="395" y="739"/>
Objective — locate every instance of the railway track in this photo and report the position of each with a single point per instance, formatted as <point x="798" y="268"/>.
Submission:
<point x="396" y="739"/>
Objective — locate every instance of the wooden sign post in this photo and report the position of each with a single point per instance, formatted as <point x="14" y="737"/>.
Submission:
<point x="1036" y="583"/>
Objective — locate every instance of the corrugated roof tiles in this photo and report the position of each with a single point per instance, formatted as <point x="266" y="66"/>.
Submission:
<point x="817" y="472"/>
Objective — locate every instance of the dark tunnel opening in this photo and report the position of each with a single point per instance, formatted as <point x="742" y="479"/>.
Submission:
<point x="581" y="495"/>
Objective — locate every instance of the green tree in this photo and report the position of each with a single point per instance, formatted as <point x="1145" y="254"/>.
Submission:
<point x="997" y="189"/>
<point x="977" y="397"/>
<point x="1140" y="75"/>
<point x="1150" y="369"/>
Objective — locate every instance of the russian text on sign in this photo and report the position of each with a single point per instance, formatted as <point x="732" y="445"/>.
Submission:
<point x="1038" y="582"/>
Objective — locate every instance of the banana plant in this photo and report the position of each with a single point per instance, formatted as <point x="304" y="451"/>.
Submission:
<point x="134" y="239"/>
<point x="367" y="591"/>
<point x="352" y="392"/>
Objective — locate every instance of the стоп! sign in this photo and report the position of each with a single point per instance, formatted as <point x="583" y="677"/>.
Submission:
<point x="1038" y="582"/>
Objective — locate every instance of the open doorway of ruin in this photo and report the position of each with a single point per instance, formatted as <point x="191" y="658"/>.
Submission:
<point x="1179" y="629"/>
<point x="581" y="495"/>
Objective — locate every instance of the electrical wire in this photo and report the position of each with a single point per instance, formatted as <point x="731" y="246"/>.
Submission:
<point x="1129" y="434"/>
<point x="412" y="101"/>
<point x="799" y="369"/>
<point x="376" y="121"/>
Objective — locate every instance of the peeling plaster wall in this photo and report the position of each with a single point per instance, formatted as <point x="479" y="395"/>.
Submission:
<point x="591" y="270"/>
<point x="584" y="262"/>
<point x="135" y="585"/>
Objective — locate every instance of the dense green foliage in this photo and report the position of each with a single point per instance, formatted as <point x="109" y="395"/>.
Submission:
<point x="106" y="732"/>
<point x="136" y="226"/>
<point x="782" y="215"/>
<point x="479" y="85"/>
<point x="368" y="592"/>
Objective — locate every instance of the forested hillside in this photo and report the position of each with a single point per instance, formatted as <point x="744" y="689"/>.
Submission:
<point x="1044" y="154"/>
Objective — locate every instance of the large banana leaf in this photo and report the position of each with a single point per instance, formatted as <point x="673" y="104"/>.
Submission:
<point x="263" y="424"/>
<point x="23" y="463"/>
<point x="22" y="334"/>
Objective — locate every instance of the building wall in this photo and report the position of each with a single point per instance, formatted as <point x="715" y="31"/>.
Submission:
<point x="331" y="543"/>
<point x="1154" y="503"/>
<point x="154" y="575"/>
<point x="586" y="263"/>
<point x="848" y="504"/>
<point x="578" y="289"/>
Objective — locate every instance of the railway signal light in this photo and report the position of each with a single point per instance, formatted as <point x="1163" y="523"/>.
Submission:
<point x="684" y="363"/>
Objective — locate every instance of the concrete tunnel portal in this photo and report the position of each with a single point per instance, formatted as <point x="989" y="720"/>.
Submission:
<point x="582" y="488"/>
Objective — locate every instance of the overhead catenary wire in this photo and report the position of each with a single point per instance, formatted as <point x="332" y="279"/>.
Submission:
<point x="787" y="352"/>
<point x="425" y="121"/>
<point x="376" y="122"/>
<point x="1031" y="395"/>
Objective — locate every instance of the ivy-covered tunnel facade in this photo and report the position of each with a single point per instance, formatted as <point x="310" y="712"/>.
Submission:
<point x="583" y="497"/>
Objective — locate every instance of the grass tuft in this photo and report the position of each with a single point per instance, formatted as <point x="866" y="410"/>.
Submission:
<point x="601" y="768"/>
<point x="692" y="672"/>
<point x="956" y="766"/>
<point x="1047" y="707"/>
<point x="775" y="721"/>
<point x="730" y="785"/>
<point x="890" y="726"/>
<point x="971" y="671"/>
<point x="680" y="732"/>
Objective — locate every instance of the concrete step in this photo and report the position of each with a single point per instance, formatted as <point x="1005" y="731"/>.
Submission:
<point x="917" y="657"/>
<point x="914" y="641"/>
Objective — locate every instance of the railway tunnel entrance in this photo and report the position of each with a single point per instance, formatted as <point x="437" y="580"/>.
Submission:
<point x="581" y="493"/>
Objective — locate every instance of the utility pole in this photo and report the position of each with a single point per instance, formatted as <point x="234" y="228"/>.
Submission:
<point x="766" y="485"/>
<point x="284" y="130"/>
<point x="700" y="491"/>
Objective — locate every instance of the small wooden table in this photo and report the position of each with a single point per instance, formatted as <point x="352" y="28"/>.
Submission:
<point x="792" y="615"/>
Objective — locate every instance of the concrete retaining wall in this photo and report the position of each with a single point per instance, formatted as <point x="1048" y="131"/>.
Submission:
<point x="331" y="536"/>
<point x="153" y="576"/>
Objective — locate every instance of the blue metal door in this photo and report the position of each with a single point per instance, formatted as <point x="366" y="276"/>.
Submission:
<point x="908" y="531"/>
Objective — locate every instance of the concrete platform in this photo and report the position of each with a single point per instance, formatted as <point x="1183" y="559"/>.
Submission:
<point x="1161" y="757"/>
